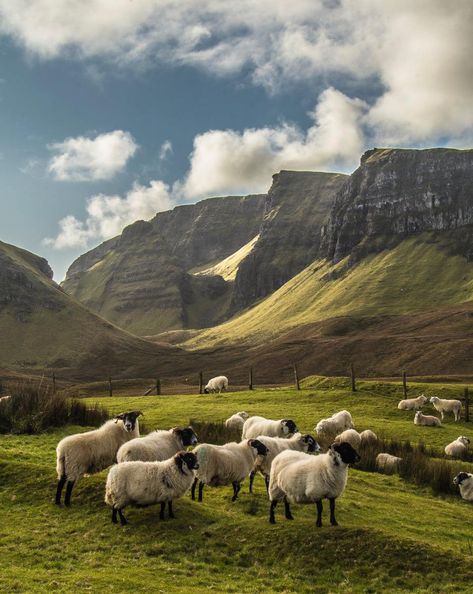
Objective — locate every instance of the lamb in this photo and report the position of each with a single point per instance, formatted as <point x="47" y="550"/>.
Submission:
<point x="216" y="384"/>
<point x="146" y="483"/>
<point x="334" y="425"/>
<point x="256" y="426"/>
<point x="226" y="464"/>
<point x="158" y="445"/>
<point x="237" y="420"/>
<point x="464" y="480"/>
<point x="368" y="436"/>
<point x="388" y="463"/>
<point x="426" y="420"/>
<point x="275" y="445"/>
<point x="299" y="478"/>
<point x="413" y="403"/>
<point x="351" y="436"/>
<point x="92" y="451"/>
<point x="443" y="406"/>
<point x="457" y="448"/>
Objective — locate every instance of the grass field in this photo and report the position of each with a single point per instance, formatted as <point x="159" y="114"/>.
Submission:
<point x="393" y="536"/>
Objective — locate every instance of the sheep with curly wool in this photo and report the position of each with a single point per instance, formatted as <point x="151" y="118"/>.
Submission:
<point x="256" y="426"/>
<point x="457" y="448"/>
<point x="300" y="478"/>
<point x="387" y="463"/>
<point x="464" y="480"/>
<point x="368" y="436"/>
<point x="216" y="384"/>
<point x="426" y="420"/>
<point x="351" y="436"/>
<point x="147" y="483"/>
<point x="444" y="406"/>
<point x="92" y="451"/>
<point x="276" y="445"/>
<point x="227" y="464"/>
<point x="158" y="445"/>
<point x="335" y="424"/>
<point x="412" y="403"/>
<point x="237" y="420"/>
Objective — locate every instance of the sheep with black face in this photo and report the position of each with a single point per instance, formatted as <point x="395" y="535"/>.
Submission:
<point x="464" y="480"/>
<point x="158" y="445"/>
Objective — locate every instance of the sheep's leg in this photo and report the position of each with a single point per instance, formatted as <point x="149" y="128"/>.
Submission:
<point x="60" y="486"/>
<point x="236" y="490"/>
<point x="161" y="513"/>
<point x="287" y="510"/>
<point x="266" y="482"/>
<point x="194" y="485"/>
<point x="171" y="513"/>
<point x="272" y="507"/>
<point x="441" y="414"/>
<point x="252" y="478"/>
<point x="114" y="516"/>
<point x="201" y="489"/>
<point x="318" y="523"/>
<point x="333" y="521"/>
<point x="67" y="499"/>
<point x="123" y="520"/>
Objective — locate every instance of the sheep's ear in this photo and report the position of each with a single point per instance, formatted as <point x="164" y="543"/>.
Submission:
<point x="138" y="413"/>
<point x="119" y="417"/>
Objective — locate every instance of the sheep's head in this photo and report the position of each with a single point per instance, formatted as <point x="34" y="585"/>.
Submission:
<point x="244" y="415"/>
<point x="344" y="453"/>
<point x="186" y="461"/>
<point x="417" y="415"/>
<point x="186" y="435"/>
<point x="288" y="427"/>
<point x="464" y="440"/>
<point x="128" y="419"/>
<point x="258" y="447"/>
<point x="462" y="477"/>
<point x="433" y="399"/>
<point x="311" y="446"/>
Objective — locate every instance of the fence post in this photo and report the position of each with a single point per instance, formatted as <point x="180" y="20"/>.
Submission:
<point x="158" y="387"/>
<point x="1" y="387"/>
<point x="296" y="377"/>
<point x="201" y="382"/>
<point x="250" y="379"/>
<point x="110" y="387"/>
<point x="467" y="405"/>
<point x="353" y="379"/>
<point x="404" y="383"/>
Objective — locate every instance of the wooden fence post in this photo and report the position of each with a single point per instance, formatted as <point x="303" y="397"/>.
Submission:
<point x="250" y="379"/>
<point x="296" y="377"/>
<point x="201" y="382"/>
<point x="467" y="405"/>
<point x="158" y="387"/>
<point x="110" y="387"/>
<point x="404" y="383"/>
<point x="1" y="387"/>
<point x="353" y="379"/>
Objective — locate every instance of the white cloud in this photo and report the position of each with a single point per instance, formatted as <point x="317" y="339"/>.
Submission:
<point x="108" y="215"/>
<point x="166" y="150"/>
<point x="90" y="159"/>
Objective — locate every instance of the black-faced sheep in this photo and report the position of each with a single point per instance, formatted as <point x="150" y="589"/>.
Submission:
<point x="216" y="384"/>
<point x="464" y="480"/>
<point x="158" y="445"/>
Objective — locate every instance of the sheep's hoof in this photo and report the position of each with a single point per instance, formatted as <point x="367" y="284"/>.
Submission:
<point x="289" y="517"/>
<point x="318" y="524"/>
<point x="172" y="516"/>
<point x="334" y="522"/>
<point x="272" y="521"/>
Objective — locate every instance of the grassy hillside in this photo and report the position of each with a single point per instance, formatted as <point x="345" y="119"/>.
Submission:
<point x="390" y="539"/>
<point x="228" y="267"/>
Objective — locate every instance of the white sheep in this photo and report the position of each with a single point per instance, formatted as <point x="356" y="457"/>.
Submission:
<point x="443" y="406"/>
<point x="226" y="464"/>
<point x="256" y="426"/>
<point x="5" y="399"/>
<point x="335" y="424"/>
<point x="457" y="448"/>
<point x="216" y="384"/>
<point x="464" y="480"/>
<point x="276" y="445"/>
<point x="237" y="420"/>
<point x="158" y="445"/>
<point x="299" y="478"/>
<point x="368" y="436"/>
<point x="92" y="451"/>
<point x="147" y="483"/>
<point x="387" y="463"/>
<point x="413" y="403"/>
<point x="351" y="436"/>
<point x="426" y="420"/>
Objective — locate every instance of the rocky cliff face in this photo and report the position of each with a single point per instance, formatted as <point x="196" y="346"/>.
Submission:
<point x="396" y="193"/>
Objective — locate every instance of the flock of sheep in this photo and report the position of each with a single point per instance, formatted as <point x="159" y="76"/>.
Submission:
<point x="158" y="468"/>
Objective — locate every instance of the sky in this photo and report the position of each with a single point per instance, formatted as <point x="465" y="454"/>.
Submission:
<point x="113" y="110"/>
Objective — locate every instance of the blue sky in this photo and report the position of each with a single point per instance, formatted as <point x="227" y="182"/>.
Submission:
<point x="110" y="111"/>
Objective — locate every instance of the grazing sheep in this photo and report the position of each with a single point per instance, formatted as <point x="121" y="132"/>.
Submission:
<point x="335" y="424"/>
<point x="256" y="426"/>
<point x="146" y="483"/>
<point x="351" y="436"/>
<point x="158" y="445"/>
<point x="299" y="478"/>
<point x="92" y="451"/>
<point x="413" y="403"/>
<point x="426" y="420"/>
<point x="227" y="464"/>
<point x="368" y="436"/>
<point x="237" y="420"/>
<point x="387" y="463"/>
<point x="276" y="445"/>
<point x="216" y="384"/>
<point x="5" y="399"/>
<point x="443" y="406"/>
<point x="457" y="448"/>
<point x="465" y="481"/>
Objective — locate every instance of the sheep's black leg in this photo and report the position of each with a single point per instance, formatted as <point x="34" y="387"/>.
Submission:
<point x="60" y="485"/>
<point x="319" y="513"/>
<point x="266" y="482"/>
<point x="252" y="478"/>
<point x="171" y="513"/>
<point x="287" y="510"/>
<point x="236" y="490"/>
<point x="272" y="507"/>
<point x="333" y="521"/>
<point x="67" y="499"/>
<point x="201" y="489"/>
<point x="194" y="485"/>
<point x="123" y="520"/>
<point x="114" y="516"/>
<point x="161" y="513"/>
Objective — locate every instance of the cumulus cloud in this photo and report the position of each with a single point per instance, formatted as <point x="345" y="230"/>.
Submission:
<point x="90" y="159"/>
<point x="108" y="215"/>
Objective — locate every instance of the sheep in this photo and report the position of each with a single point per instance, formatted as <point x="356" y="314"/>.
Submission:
<point x="387" y="463"/>
<point x="351" y="436"/>
<point x="275" y="445"/>
<point x="299" y="478"/>
<point x="237" y="420"/>
<point x="256" y="426"/>
<point x="146" y="483"/>
<point x="335" y="424"/>
<point x="216" y="384"/>
<point x="443" y="406"/>
<point x="464" y="480"/>
<point x="5" y="399"/>
<point x="412" y="403"/>
<point x="457" y="448"/>
<point x="158" y="445"/>
<point x="226" y="464"/>
<point x="426" y="420"/>
<point x="92" y="451"/>
<point x="368" y="436"/>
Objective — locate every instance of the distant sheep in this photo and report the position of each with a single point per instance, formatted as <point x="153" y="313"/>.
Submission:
<point x="256" y="426"/>
<point x="443" y="406"/>
<point x="158" y="445"/>
<point x="426" y="420"/>
<point x="216" y="384"/>
<point x="5" y="399"/>
<point x="237" y="420"/>
<point x="92" y="451"/>
<point x="464" y="480"/>
<point x="413" y="403"/>
<point x="387" y="463"/>
<point x="368" y="436"/>
<point x="457" y="448"/>
<point x="351" y="436"/>
<point x="146" y="483"/>
<point x="335" y="424"/>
